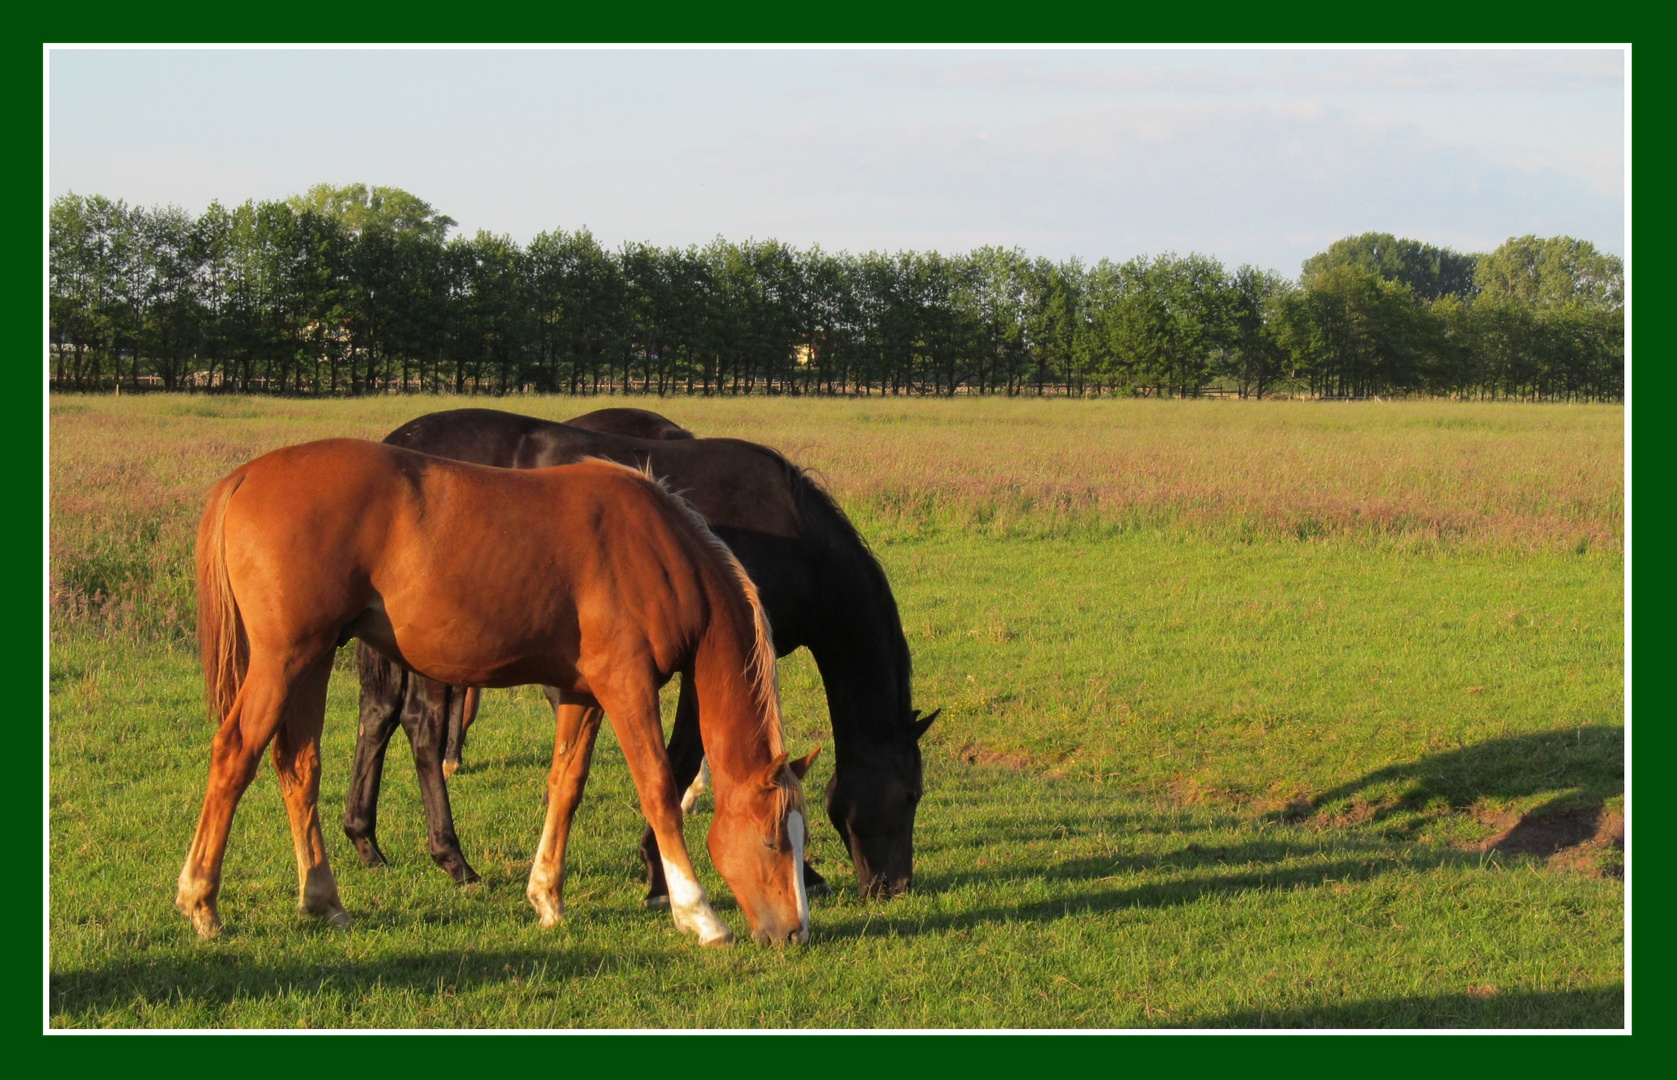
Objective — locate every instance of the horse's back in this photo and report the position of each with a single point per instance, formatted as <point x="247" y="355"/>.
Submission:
<point x="480" y="436"/>
<point x="445" y="565"/>
<point x="747" y="493"/>
<point x="732" y="483"/>
<point x="637" y="423"/>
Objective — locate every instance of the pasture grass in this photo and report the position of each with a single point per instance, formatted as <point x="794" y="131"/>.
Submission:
<point x="129" y="474"/>
<point x="1192" y="771"/>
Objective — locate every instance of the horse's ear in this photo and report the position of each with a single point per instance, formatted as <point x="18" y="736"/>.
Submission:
<point x="770" y="776"/>
<point x="801" y="766"/>
<point x="919" y="726"/>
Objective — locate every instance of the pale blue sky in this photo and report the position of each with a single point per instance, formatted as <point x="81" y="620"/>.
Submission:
<point x="1262" y="157"/>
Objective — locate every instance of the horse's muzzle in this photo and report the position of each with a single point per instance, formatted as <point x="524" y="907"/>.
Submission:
<point x="777" y="937"/>
<point x="883" y="887"/>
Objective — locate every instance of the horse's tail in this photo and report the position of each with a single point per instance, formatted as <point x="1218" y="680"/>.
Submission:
<point x="221" y="633"/>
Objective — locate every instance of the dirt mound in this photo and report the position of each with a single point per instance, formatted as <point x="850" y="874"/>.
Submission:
<point x="976" y="753"/>
<point x="1572" y="839"/>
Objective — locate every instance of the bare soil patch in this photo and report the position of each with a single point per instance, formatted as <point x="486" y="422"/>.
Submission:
<point x="1572" y="839"/>
<point x="976" y="753"/>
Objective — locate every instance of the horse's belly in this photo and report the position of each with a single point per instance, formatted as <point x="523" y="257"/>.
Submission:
<point x="464" y="651"/>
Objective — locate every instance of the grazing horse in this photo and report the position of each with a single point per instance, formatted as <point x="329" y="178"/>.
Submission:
<point x="436" y="715"/>
<point x="820" y="584"/>
<point x="461" y="707"/>
<point x="590" y="578"/>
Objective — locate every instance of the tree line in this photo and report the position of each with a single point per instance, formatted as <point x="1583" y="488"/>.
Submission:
<point x="356" y="290"/>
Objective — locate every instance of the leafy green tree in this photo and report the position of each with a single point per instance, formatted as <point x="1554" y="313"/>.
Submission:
<point x="832" y="309"/>
<point x="581" y="308"/>
<point x="72" y="288"/>
<point x="1050" y="321"/>
<point x="1352" y="333"/>
<point x="1552" y="271"/>
<point x="356" y="289"/>
<point x="361" y="209"/>
<point x="1430" y="272"/>
<point x="170" y="316"/>
<point x="96" y="276"/>
<point x="1173" y="316"/>
<point x="487" y="328"/>
<point x="1255" y="356"/>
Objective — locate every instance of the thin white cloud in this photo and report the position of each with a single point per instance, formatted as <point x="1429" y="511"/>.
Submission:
<point x="1242" y="72"/>
<point x="1251" y="157"/>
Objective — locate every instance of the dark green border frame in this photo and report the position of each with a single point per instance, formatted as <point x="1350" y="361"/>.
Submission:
<point x="22" y="441"/>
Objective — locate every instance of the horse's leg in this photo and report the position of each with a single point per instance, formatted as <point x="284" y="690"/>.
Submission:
<point x="695" y="790"/>
<point x="383" y="689"/>
<point x="686" y="753"/>
<point x="634" y="716"/>
<point x="573" y="750"/>
<point x="297" y="760"/>
<point x="425" y="717"/>
<point x="234" y="754"/>
<point x="461" y="712"/>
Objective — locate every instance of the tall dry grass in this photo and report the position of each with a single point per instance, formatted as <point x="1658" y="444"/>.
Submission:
<point x="128" y="475"/>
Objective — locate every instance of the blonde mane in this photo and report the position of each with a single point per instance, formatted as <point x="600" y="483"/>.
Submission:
<point x="760" y="668"/>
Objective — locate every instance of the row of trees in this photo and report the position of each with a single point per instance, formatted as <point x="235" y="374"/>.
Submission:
<point x="350" y="290"/>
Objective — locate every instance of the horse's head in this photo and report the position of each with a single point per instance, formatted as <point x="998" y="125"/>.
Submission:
<point x="871" y="801"/>
<point x="756" y="840"/>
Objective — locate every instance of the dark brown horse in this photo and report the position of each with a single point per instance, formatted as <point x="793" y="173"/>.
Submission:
<point x="590" y="578"/>
<point x="819" y="583"/>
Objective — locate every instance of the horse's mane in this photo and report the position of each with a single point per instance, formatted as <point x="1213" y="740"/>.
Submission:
<point x="761" y="667"/>
<point x="811" y="495"/>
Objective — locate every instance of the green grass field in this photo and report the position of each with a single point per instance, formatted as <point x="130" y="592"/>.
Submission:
<point x="1255" y="715"/>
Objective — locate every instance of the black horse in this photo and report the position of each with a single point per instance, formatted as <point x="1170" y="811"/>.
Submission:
<point x="820" y="585"/>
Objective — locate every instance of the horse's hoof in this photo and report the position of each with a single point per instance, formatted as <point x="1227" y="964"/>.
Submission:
<point x="458" y="869"/>
<point x="332" y="915"/>
<point x="819" y="888"/>
<point x="720" y="941"/>
<point x="657" y="903"/>
<point x="449" y="769"/>
<point x="193" y="899"/>
<point x="206" y="924"/>
<point x="550" y="911"/>
<point x="371" y="857"/>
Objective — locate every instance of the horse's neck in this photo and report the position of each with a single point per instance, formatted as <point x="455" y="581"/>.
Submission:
<point x="739" y="737"/>
<point x="865" y="667"/>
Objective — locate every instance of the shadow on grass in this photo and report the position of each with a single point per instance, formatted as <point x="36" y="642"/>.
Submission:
<point x="209" y="977"/>
<point x="1577" y="770"/>
<point x="1592" y="1007"/>
<point x="1189" y="889"/>
<point x="1574" y="772"/>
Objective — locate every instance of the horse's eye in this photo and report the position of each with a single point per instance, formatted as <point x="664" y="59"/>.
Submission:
<point x="771" y="843"/>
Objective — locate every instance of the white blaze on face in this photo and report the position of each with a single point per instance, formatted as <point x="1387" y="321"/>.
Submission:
<point x="795" y="831"/>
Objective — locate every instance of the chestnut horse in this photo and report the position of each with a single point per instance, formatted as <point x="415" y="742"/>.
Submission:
<point x="436" y="715"/>
<point x="820" y="584"/>
<point x="590" y="578"/>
